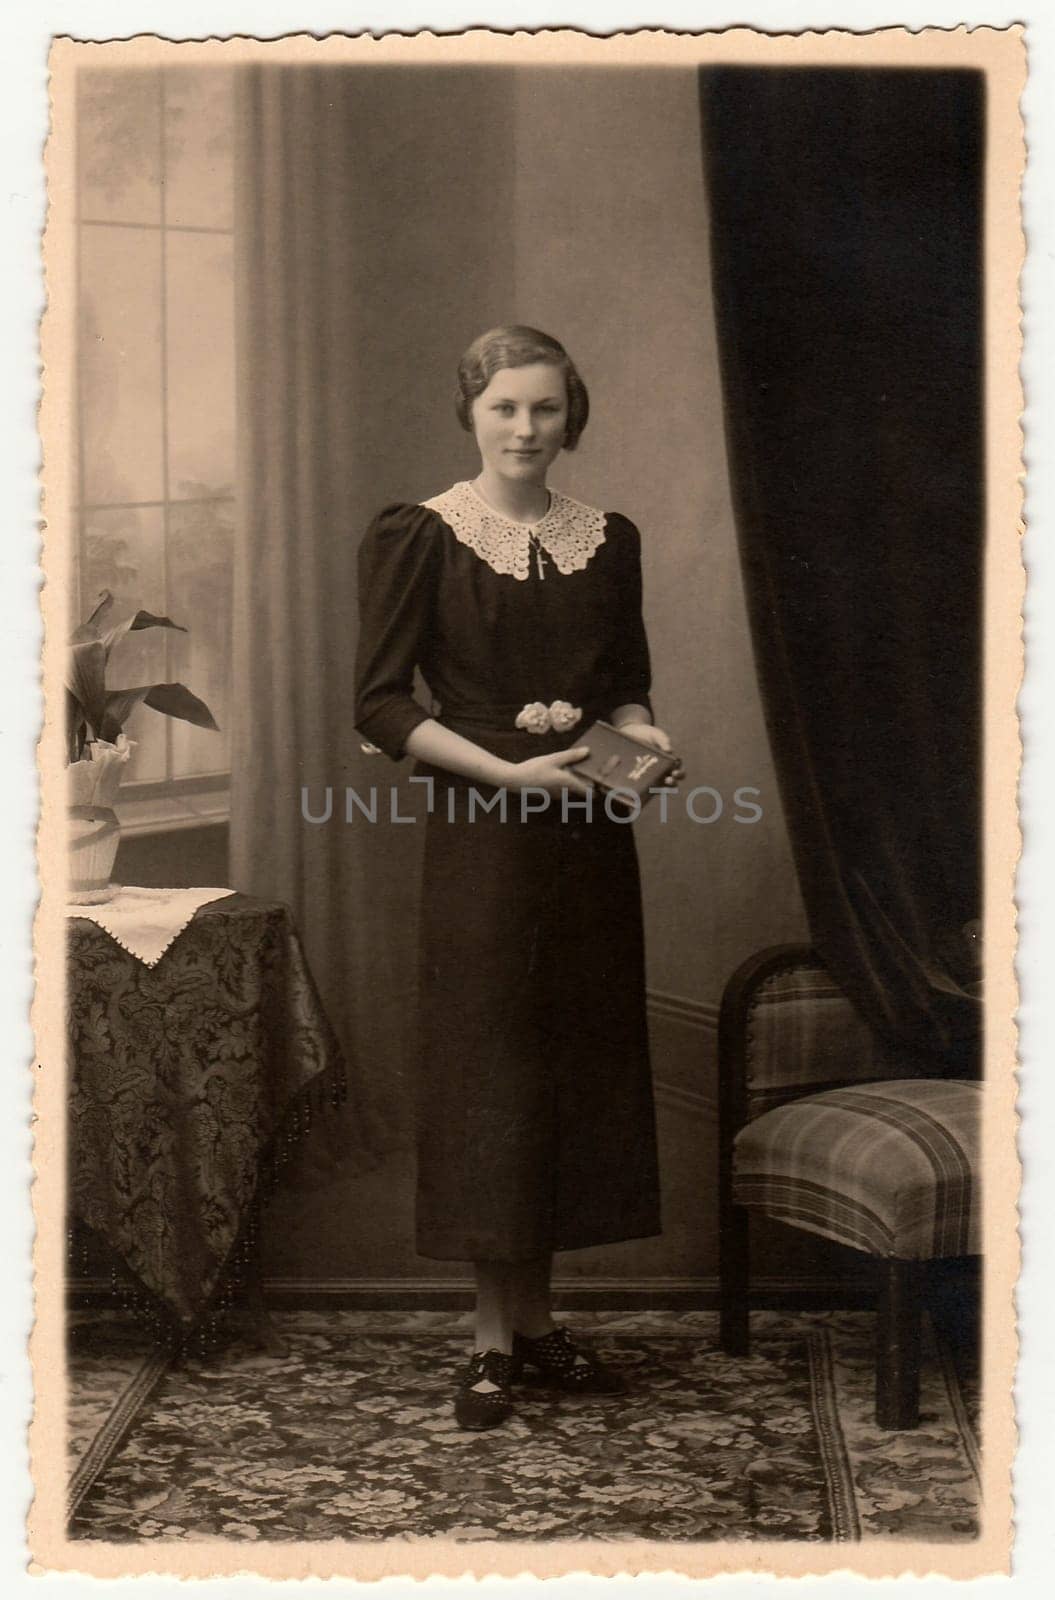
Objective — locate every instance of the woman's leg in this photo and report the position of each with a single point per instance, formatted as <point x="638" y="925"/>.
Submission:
<point x="532" y="1309"/>
<point x="550" y="1348"/>
<point x="483" y="1399"/>
<point x="494" y="1305"/>
<point x="512" y="1297"/>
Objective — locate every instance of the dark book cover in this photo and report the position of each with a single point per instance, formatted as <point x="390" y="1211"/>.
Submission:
<point x="617" y="761"/>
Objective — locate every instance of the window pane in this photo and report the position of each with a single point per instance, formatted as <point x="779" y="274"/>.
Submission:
<point x="200" y="364"/>
<point x="120" y="361"/>
<point x="123" y="551"/>
<point x="199" y="146"/>
<point x="200" y="565"/>
<point x="119" y="147"/>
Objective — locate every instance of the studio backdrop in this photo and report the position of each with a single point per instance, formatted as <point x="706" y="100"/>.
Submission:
<point x="386" y="217"/>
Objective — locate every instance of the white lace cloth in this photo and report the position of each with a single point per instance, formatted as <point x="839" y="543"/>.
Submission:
<point x="146" y="921"/>
<point x="569" y="533"/>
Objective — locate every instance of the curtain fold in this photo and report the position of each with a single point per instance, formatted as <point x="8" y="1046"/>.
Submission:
<point x="355" y="296"/>
<point x="300" y="334"/>
<point x="846" y="212"/>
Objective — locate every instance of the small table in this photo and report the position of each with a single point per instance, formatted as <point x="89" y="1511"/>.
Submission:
<point x="189" y="1082"/>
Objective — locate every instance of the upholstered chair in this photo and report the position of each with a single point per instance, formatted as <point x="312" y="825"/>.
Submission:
<point x="824" y="1127"/>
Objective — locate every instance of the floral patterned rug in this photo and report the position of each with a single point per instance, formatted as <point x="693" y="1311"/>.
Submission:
<point x="350" y="1436"/>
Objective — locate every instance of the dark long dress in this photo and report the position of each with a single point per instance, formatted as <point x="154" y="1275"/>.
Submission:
<point x="535" y="1114"/>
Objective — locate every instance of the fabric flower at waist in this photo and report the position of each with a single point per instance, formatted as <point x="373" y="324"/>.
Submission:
<point x="559" y="716"/>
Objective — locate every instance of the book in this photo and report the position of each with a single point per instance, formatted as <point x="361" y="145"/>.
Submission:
<point x="618" y="762"/>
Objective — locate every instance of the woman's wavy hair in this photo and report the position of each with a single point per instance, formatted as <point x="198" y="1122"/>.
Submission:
<point x="518" y="346"/>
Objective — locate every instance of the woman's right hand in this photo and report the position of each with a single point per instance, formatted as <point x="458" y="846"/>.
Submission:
<point x="551" y="772"/>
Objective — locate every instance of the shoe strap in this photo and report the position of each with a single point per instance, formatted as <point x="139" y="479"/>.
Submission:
<point x="494" y="1365"/>
<point x="558" y="1349"/>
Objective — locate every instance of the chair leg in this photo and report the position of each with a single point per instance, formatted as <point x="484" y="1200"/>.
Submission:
<point x="898" y="1346"/>
<point x="734" y="1269"/>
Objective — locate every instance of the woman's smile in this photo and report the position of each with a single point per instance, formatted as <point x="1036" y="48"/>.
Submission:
<point x="520" y="421"/>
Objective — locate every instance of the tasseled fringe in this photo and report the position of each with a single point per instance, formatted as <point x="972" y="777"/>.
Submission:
<point x="324" y="1095"/>
<point x="127" y="1291"/>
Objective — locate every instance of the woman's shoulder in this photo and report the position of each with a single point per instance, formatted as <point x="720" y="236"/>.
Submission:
<point x="404" y="541"/>
<point x="619" y="519"/>
<point x="402" y="522"/>
<point x="424" y="517"/>
<point x="451" y="503"/>
<point x="399" y="514"/>
<point x="619" y="527"/>
<point x="568" y="509"/>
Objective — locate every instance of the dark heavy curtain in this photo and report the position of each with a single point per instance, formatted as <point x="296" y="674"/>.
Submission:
<point x="846" y="217"/>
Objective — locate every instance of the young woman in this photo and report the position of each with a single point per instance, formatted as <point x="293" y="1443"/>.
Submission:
<point x="522" y="609"/>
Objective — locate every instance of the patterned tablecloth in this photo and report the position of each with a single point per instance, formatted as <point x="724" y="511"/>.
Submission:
<point x="187" y="1082"/>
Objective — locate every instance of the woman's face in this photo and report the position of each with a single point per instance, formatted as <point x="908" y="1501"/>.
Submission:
<point x="520" y="420"/>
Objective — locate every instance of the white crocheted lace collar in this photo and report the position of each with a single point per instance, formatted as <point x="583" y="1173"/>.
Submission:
<point x="569" y="533"/>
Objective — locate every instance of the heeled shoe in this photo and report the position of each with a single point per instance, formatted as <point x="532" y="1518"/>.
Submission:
<point x="564" y="1364"/>
<point x="485" y="1408"/>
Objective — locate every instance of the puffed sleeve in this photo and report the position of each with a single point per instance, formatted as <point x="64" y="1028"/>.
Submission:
<point x="398" y="563"/>
<point x="629" y="665"/>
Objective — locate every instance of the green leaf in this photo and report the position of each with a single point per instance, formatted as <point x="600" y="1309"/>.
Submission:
<point x="76" y="728"/>
<point x="120" y="703"/>
<point x="141" y="619"/>
<point x="87" y="680"/>
<point x="94" y="627"/>
<point x="147" y="619"/>
<point x="171" y="699"/>
<point x="176" y="700"/>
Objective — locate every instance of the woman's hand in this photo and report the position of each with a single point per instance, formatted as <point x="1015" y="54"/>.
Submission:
<point x="645" y="733"/>
<point x="551" y="772"/>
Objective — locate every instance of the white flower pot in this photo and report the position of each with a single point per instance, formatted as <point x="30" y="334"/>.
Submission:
<point x="95" y="832"/>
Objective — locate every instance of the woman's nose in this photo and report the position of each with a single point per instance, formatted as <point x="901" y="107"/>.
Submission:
<point x="525" y="426"/>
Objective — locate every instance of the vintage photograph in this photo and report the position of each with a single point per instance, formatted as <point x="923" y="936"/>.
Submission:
<point x="521" y="540"/>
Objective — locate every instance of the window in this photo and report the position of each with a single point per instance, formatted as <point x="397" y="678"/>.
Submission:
<point x="155" y="399"/>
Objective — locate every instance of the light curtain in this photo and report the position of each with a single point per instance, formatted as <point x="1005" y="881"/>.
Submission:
<point x="300" y="340"/>
<point x="374" y="240"/>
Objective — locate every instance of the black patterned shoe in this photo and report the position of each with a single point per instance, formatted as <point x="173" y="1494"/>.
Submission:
<point x="563" y="1364"/>
<point x="485" y="1408"/>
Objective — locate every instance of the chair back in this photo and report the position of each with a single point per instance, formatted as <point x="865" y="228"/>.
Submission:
<point x="787" y="1030"/>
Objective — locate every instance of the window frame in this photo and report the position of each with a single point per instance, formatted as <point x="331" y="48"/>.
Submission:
<point x="173" y="802"/>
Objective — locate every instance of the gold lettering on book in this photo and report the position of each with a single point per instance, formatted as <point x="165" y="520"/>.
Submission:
<point x="641" y="766"/>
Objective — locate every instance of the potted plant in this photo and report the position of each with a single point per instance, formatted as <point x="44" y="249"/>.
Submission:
<point x="97" y="748"/>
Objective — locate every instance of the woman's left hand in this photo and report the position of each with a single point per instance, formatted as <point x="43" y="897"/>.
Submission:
<point x="646" y="733"/>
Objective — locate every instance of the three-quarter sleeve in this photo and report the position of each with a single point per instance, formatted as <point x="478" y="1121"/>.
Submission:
<point x="398" y="564"/>
<point x="629" y="663"/>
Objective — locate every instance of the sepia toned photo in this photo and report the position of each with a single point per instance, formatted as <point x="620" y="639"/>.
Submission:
<point x="526" y="944"/>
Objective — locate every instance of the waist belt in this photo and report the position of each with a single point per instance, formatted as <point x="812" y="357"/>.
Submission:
<point x="560" y="716"/>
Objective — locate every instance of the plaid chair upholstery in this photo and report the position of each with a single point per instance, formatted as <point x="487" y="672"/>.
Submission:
<point x="827" y="1128"/>
<point x="889" y="1168"/>
<point x="802" y="1035"/>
